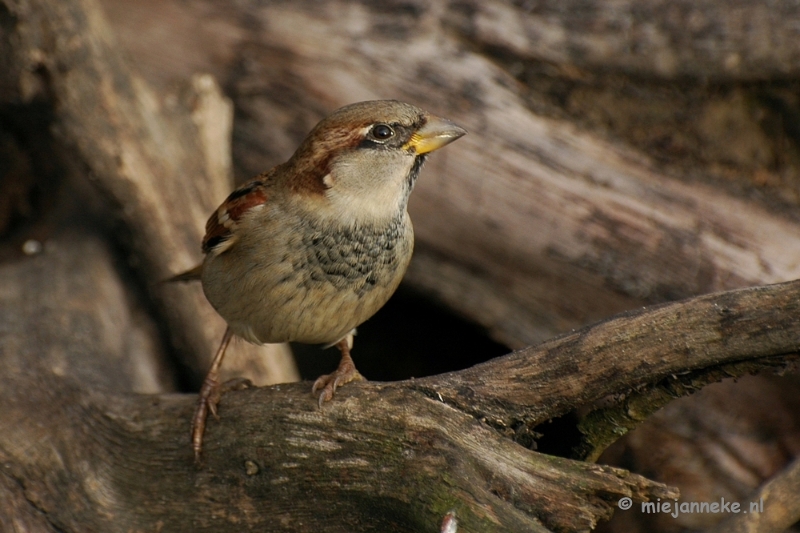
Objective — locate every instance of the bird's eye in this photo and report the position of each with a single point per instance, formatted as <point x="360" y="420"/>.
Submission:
<point x="381" y="132"/>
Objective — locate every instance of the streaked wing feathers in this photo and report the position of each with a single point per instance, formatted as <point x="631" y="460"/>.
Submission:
<point x="221" y="226"/>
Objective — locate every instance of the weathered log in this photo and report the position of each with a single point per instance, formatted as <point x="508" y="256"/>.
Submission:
<point x="161" y="164"/>
<point x="533" y="224"/>
<point x="383" y="456"/>
<point x="376" y="461"/>
<point x="674" y="40"/>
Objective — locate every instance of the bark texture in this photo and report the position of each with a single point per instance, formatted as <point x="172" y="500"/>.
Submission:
<point x="540" y="215"/>
<point x="384" y="456"/>
<point x="159" y="165"/>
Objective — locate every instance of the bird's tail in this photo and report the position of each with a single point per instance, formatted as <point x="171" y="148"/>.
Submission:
<point x="189" y="275"/>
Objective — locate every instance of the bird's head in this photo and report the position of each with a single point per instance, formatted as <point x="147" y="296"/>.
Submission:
<point x="362" y="160"/>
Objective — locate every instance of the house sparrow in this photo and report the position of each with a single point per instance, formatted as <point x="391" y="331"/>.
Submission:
<point x="314" y="247"/>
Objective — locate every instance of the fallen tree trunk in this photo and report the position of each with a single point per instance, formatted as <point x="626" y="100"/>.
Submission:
<point x="591" y="180"/>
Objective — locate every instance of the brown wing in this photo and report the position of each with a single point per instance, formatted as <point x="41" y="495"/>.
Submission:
<point x="221" y="225"/>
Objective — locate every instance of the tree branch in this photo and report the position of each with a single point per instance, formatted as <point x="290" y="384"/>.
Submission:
<point x="686" y="338"/>
<point x="382" y="456"/>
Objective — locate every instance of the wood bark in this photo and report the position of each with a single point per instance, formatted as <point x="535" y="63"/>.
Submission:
<point x="533" y="226"/>
<point x="393" y="456"/>
<point x="134" y="147"/>
<point x="540" y="220"/>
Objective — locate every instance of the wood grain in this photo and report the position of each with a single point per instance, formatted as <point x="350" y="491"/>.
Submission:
<point x="161" y="163"/>
<point x="393" y="456"/>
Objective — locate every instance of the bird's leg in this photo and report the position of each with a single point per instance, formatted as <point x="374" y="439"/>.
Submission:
<point x="345" y="373"/>
<point x="209" y="396"/>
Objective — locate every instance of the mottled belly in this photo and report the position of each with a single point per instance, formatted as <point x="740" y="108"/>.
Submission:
<point x="322" y="284"/>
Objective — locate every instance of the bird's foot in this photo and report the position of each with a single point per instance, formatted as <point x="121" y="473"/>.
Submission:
<point x="326" y="385"/>
<point x="207" y="400"/>
<point x="210" y="394"/>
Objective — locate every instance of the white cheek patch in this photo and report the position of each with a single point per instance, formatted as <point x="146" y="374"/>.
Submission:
<point x="368" y="186"/>
<point x="366" y="205"/>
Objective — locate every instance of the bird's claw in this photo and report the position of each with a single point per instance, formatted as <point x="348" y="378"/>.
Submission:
<point x="327" y="384"/>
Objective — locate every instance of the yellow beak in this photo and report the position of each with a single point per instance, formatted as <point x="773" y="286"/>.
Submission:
<point x="436" y="132"/>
